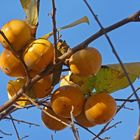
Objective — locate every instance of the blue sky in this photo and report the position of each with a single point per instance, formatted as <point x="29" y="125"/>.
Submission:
<point x="125" y="40"/>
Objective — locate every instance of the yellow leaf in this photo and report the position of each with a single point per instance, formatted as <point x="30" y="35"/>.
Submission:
<point x="31" y="10"/>
<point x="111" y="80"/>
<point x="77" y="22"/>
<point x="131" y="68"/>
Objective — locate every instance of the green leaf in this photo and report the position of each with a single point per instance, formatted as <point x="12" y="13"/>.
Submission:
<point x="131" y="68"/>
<point x="111" y="80"/>
<point x="31" y="10"/>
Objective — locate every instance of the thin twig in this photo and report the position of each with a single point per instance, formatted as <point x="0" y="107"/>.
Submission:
<point x="112" y="126"/>
<point x="11" y="47"/>
<point x="108" y="128"/>
<point x="128" y="100"/>
<point x="52" y="137"/>
<point x="54" y="27"/>
<point x="5" y="133"/>
<point x="17" y="134"/>
<point x="7" y="111"/>
<point x="74" y="130"/>
<point x="22" y="121"/>
<point x="42" y="109"/>
<point x="102" y="130"/>
<point x="88" y="130"/>
<point x="123" y="104"/>
<point x="58" y="69"/>
<point x="38" y="8"/>
<point x="24" y="137"/>
<point x="128" y="108"/>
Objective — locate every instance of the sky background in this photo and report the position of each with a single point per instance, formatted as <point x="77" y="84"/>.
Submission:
<point x="126" y="42"/>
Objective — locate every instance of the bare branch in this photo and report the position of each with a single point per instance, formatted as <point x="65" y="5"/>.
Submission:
<point x="24" y="137"/>
<point x="128" y="108"/>
<point x="127" y="100"/>
<point x="123" y="104"/>
<point x="7" y="111"/>
<point x="54" y="27"/>
<point x="58" y="68"/>
<point x="42" y="109"/>
<point x="52" y="137"/>
<point x="17" y="134"/>
<point x="112" y="126"/>
<point x="74" y="130"/>
<point x="88" y="130"/>
<point x="22" y="121"/>
<point x="5" y="133"/>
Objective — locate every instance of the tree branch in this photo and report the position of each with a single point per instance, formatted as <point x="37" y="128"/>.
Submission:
<point x="17" y="134"/>
<point x="74" y="130"/>
<point x="22" y="121"/>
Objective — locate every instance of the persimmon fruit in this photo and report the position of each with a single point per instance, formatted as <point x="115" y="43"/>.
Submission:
<point x="51" y="122"/>
<point x="85" y="62"/>
<point x="18" y="33"/>
<point x="67" y="99"/>
<point x="11" y="65"/>
<point x="40" y="89"/>
<point x="82" y="120"/>
<point x="12" y="89"/>
<point x="38" y="55"/>
<point x="100" y="108"/>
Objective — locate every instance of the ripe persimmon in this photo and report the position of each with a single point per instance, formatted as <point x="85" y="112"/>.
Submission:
<point x="85" y="62"/>
<point x="82" y="120"/>
<point x="12" y="89"/>
<point x="100" y="108"/>
<point x="17" y="32"/>
<point x="38" y="55"/>
<point x="51" y="122"/>
<point x="10" y="65"/>
<point x="40" y="89"/>
<point x="66" y="99"/>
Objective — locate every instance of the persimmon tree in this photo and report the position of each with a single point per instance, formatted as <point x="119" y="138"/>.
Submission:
<point x="70" y="85"/>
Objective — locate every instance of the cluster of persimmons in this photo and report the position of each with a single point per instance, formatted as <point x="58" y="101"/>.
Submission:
<point x="69" y="99"/>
